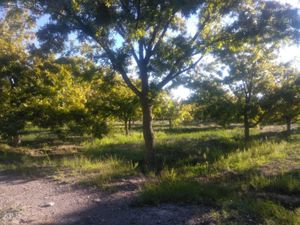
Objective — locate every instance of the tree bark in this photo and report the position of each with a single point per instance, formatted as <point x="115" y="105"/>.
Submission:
<point x="148" y="133"/>
<point x="170" y="124"/>
<point x="288" y="126"/>
<point x="16" y="140"/>
<point x="246" y="129"/>
<point x="129" y="124"/>
<point x="246" y="121"/>
<point x="126" y="127"/>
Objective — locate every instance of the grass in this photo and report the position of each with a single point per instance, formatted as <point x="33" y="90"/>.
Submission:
<point x="95" y="172"/>
<point x="183" y="191"/>
<point x="254" y="156"/>
<point x="209" y="166"/>
<point x="264" y="212"/>
<point x="288" y="183"/>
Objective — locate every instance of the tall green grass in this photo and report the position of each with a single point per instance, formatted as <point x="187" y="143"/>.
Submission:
<point x="286" y="183"/>
<point x="96" y="172"/>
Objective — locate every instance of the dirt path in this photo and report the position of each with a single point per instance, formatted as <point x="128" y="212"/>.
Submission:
<point x="44" y="201"/>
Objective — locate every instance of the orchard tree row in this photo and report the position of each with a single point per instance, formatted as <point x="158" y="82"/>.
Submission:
<point x="87" y="62"/>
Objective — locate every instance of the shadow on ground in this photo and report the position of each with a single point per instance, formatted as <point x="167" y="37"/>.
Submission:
<point x="117" y="211"/>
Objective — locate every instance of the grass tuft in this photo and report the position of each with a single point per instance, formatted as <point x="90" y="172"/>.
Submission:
<point x="183" y="191"/>
<point x="267" y="212"/>
<point x="288" y="183"/>
<point x="252" y="157"/>
<point x="95" y="172"/>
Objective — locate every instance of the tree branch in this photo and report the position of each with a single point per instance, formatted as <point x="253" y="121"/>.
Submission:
<point x="111" y="55"/>
<point x="173" y="75"/>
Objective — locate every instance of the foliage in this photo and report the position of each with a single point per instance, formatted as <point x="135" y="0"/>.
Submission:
<point x="213" y="103"/>
<point x="155" y="36"/>
<point x="167" y="109"/>
<point x="286" y="97"/>
<point x="18" y="86"/>
<point x="113" y="99"/>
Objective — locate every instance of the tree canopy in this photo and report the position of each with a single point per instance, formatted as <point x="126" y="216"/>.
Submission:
<point x="153" y="41"/>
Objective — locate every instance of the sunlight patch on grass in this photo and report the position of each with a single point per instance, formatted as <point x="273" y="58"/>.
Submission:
<point x="255" y="156"/>
<point x="96" y="172"/>
<point x="237" y="161"/>
<point x="160" y="136"/>
<point x="266" y="212"/>
<point x="285" y="183"/>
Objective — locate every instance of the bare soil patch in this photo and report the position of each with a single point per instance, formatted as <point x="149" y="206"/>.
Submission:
<point x="44" y="201"/>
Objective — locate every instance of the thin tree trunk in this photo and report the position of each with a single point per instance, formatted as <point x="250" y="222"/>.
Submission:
<point x="288" y="126"/>
<point x="16" y="140"/>
<point x="246" y="130"/>
<point x="126" y="127"/>
<point x="148" y="133"/>
<point x="129" y="124"/>
<point x="170" y="124"/>
<point x="246" y="121"/>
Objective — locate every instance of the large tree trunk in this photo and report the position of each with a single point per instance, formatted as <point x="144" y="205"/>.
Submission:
<point x="148" y="133"/>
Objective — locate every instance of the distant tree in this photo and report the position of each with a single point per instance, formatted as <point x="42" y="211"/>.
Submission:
<point x="17" y="85"/>
<point x="61" y="94"/>
<point x="48" y="92"/>
<point x="213" y="102"/>
<point x="155" y="35"/>
<point x="286" y="97"/>
<point x="166" y="108"/>
<point x="251" y="79"/>
<point x="113" y="98"/>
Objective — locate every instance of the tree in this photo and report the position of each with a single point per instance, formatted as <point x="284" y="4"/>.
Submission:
<point x="286" y="97"/>
<point x="251" y="79"/>
<point x="17" y="83"/>
<point x="155" y="35"/>
<point x="165" y="108"/>
<point x="112" y="98"/>
<point x="213" y="102"/>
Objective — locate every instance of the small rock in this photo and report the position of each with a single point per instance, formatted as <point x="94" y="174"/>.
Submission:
<point x="48" y="204"/>
<point x="97" y="200"/>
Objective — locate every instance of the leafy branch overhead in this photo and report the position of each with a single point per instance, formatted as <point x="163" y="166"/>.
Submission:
<point x="155" y="35"/>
